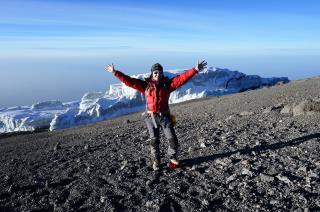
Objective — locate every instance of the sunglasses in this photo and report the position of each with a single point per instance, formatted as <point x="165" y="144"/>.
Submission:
<point x="157" y="73"/>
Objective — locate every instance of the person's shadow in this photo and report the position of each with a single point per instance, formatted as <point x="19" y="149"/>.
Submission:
<point x="257" y="149"/>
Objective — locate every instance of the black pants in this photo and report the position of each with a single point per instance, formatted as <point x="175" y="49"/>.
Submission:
<point x="154" y="126"/>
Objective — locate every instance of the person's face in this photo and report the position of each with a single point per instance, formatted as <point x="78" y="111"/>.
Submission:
<point x="157" y="75"/>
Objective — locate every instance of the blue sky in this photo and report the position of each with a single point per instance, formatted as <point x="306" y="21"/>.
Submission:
<point x="57" y="49"/>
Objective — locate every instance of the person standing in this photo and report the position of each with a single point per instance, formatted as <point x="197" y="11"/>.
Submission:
<point x="157" y="89"/>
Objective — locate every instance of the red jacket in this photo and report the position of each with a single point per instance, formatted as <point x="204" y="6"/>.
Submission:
<point x="157" y="94"/>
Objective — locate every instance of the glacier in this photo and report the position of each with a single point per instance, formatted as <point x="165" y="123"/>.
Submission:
<point x="120" y="99"/>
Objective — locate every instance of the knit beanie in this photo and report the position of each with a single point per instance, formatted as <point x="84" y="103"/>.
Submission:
<point x="156" y="67"/>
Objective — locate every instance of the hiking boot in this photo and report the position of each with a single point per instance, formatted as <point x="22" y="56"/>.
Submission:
<point x="173" y="164"/>
<point x="155" y="166"/>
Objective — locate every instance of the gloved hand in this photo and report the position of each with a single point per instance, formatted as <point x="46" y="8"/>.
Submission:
<point x="201" y="65"/>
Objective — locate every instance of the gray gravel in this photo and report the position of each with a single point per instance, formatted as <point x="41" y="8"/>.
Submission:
<point x="241" y="152"/>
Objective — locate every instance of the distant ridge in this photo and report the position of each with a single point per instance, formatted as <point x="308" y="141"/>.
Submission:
<point x="120" y="100"/>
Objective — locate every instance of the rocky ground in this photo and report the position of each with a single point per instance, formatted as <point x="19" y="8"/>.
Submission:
<point x="252" y="151"/>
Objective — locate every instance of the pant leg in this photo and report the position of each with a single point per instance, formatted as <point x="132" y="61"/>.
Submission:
<point x="170" y="134"/>
<point x="154" y="140"/>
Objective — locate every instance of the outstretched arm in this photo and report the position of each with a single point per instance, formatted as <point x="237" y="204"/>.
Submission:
<point x="134" y="83"/>
<point x="181" y="79"/>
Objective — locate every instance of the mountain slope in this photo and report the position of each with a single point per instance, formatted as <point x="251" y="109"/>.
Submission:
<point x="242" y="152"/>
